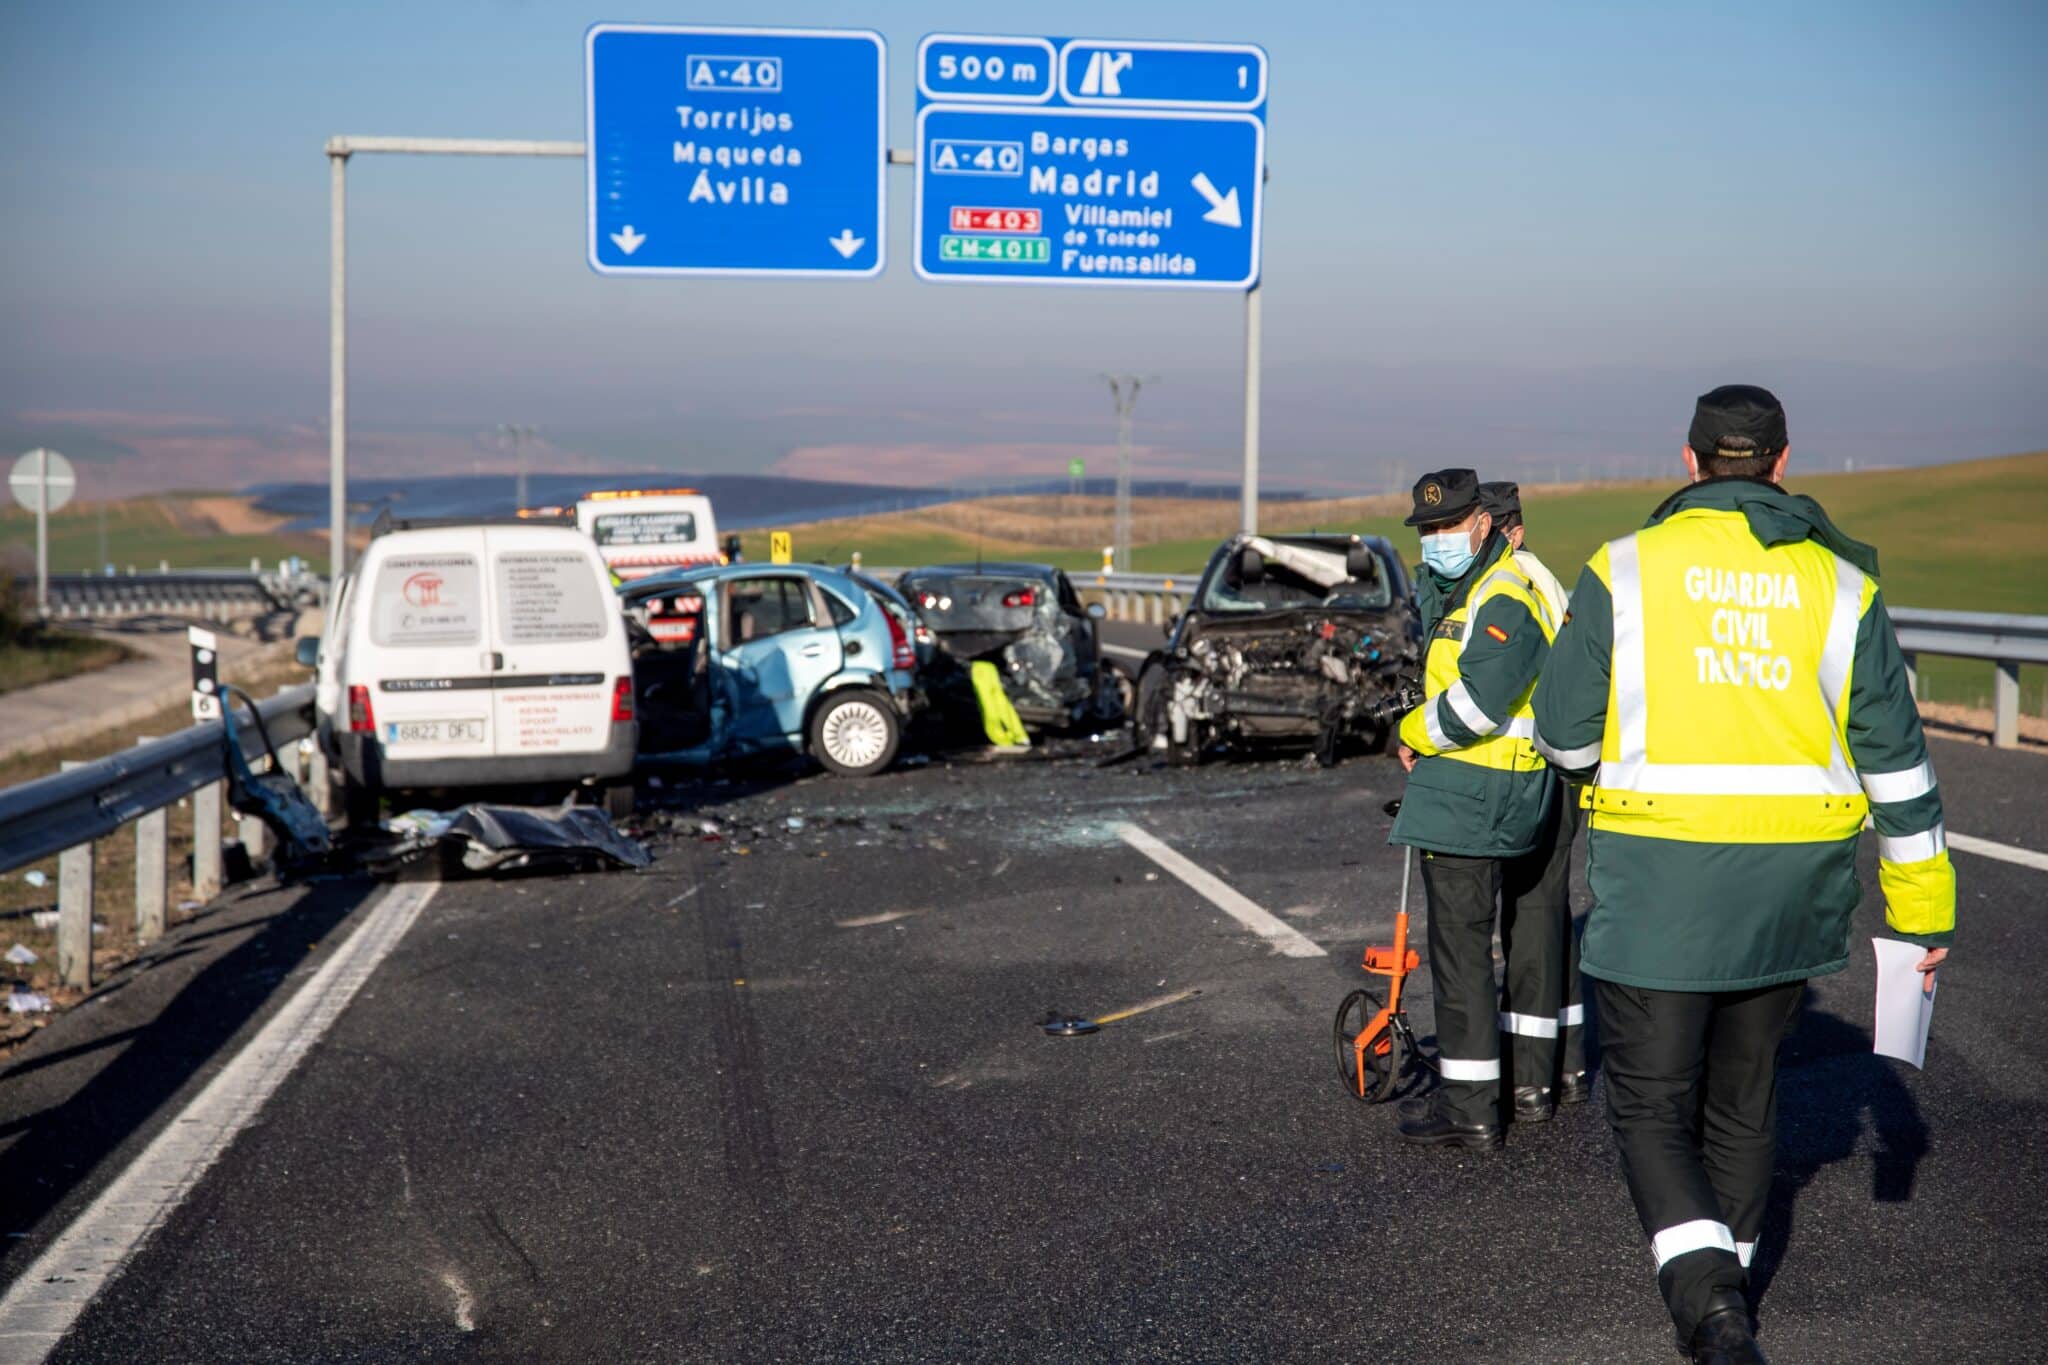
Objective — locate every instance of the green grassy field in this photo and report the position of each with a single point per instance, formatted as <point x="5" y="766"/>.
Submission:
<point x="143" y="533"/>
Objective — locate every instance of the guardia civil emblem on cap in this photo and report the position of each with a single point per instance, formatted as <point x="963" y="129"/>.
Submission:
<point x="1432" y="494"/>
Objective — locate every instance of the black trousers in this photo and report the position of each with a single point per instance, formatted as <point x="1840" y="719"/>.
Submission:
<point x="1462" y="900"/>
<point x="1692" y="1095"/>
<point x="1540" y="1010"/>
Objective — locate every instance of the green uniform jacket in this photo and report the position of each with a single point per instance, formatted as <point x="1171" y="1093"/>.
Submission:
<point x="1462" y="808"/>
<point x="1683" y="916"/>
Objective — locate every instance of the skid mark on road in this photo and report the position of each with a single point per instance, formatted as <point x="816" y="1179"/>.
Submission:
<point x="46" y="1300"/>
<point x="2005" y="853"/>
<point x="1285" y="938"/>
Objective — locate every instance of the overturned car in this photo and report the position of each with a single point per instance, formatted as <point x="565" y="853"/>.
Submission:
<point x="1028" y="621"/>
<point x="1289" y="639"/>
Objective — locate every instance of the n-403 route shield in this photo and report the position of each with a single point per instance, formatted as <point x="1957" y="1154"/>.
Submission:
<point x="1042" y="194"/>
<point x="735" y="151"/>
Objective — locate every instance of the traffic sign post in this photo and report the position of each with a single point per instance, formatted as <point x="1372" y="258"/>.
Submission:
<point x="43" y="481"/>
<point x="1097" y="163"/>
<point x="735" y="151"/>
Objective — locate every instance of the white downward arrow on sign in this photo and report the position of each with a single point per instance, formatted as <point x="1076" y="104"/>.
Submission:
<point x="846" y="243"/>
<point x="1222" y="207"/>
<point x="629" y="241"/>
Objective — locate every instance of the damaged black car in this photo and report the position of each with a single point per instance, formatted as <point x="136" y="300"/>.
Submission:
<point x="1028" y="621"/>
<point x="1289" y="640"/>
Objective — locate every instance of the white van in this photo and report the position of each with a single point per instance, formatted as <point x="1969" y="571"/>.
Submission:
<point x="464" y="654"/>
<point x="641" y="532"/>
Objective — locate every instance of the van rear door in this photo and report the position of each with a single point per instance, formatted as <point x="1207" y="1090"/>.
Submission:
<point x="424" y="655"/>
<point x="560" y="639"/>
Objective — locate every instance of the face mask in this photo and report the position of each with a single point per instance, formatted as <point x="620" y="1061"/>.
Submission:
<point x="1450" y="554"/>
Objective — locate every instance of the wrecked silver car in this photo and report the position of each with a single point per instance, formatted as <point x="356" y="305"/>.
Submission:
<point x="1289" y="639"/>
<point x="1028" y="621"/>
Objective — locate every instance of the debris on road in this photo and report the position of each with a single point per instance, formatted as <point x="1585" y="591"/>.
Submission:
<point x="487" y="838"/>
<point x="36" y="877"/>
<point x="28" y="1002"/>
<point x="22" y="956"/>
<point x="1058" y="1025"/>
<point x="44" y="919"/>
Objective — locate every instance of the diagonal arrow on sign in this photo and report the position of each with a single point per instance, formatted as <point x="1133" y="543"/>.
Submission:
<point x="846" y="243"/>
<point x="629" y="241"/>
<point x="1222" y="207"/>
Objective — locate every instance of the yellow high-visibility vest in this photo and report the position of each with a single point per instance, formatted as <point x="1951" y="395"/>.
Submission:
<point x="1512" y="746"/>
<point x="1728" y="692"/>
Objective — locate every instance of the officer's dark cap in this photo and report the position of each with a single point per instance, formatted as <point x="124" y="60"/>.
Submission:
<point x="1739" y="410"/>
<point x="1502" y="498"/>
<point x="1446" y="495"/>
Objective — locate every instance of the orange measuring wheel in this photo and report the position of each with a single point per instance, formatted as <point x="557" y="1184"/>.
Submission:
<point x="1375" y="1047"/>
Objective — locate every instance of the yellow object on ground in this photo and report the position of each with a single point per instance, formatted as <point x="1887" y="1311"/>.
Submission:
<point x="998" y="718"/>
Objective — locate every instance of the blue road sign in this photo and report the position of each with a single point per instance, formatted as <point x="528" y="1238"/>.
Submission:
<point x="1076" y="161"/>
<point x="735" y="151"/>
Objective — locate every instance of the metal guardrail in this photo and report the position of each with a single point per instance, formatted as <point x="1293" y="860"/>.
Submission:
<point x="206" y="592"/>
<point x="66" y="811"/>
<point x="2007" y="641"/>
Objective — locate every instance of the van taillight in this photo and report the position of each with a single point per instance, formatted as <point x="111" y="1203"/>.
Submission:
<point x="361" y="719"/>
<point x="899" y="644"/>
<point x="622" y="699"/>
<point x="1023" y="597"/>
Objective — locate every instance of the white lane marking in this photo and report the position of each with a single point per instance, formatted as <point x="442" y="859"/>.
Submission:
<point x="1126" y="652"/>
<point x="1285" y="938"/>
<point x="2006" y="853"/>
<point x="886" y="917"/>
<point x="45" y="1301"/>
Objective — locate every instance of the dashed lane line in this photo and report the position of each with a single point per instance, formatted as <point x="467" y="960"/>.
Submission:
<point x="41" y="1306"/>
<point x="1285" y="938"/>
<point x="2005" y="853"/>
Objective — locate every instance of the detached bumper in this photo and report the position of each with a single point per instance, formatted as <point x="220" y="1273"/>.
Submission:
<point x="362" y="758"/>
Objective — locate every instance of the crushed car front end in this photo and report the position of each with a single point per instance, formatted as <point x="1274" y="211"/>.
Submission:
<point x="1289" y="639"/>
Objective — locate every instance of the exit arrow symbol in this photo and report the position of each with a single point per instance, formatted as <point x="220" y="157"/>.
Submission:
<point x="629" y="241"/>
<point x="846" y="243"/>
<point x="1222" y="207"/>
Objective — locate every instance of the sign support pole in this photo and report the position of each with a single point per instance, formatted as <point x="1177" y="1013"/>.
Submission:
<point x="42" y="532"/>
<point x="1251" y="410"/>
<point x="337" y="377"/>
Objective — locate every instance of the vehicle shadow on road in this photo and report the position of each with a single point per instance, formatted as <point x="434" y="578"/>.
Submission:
<point x="147" y="1034"/>
<point x="1830" y="1085"/>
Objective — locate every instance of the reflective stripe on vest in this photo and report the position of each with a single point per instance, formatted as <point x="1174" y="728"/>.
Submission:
<point x="1512" y="743"/>
<point x="1800" y="707"/>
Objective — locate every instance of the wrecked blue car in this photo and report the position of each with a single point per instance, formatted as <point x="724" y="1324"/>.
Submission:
<point x="742" y="659"/>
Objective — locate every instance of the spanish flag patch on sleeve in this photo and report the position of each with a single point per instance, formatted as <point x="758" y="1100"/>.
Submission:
<point x="1497" y="633"/>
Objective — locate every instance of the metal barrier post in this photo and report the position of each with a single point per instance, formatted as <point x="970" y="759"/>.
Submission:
<point x="2005" y="704"/>
<point x="319" y="787"/>
<point x="74" y="912"/>
<point x="152" y="871"/>
<point x="255" y="838"/>
<point x="206" y="869"/>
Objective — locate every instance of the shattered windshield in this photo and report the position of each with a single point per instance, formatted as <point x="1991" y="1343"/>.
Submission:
<point x="1263" y="575"/>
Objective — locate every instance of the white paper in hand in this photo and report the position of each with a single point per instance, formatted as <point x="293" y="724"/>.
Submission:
<point x="1904" y="1009"/>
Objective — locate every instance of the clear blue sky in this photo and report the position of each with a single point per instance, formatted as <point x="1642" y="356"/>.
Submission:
<point x="1514" y="235"/>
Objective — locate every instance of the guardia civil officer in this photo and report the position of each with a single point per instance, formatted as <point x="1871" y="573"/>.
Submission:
<point x="1730" y="684"/>
<point x="1541" y="1014"/>
<point x="1480" y="803"/>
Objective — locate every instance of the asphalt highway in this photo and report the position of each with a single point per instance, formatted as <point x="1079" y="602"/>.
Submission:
<point x="784" y="1096"/>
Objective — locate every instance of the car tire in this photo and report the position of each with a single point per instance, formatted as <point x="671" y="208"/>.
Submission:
<point x="618" y="800"/>
<point x="360" y="805"/>
<point x="855" y="733"/>
<point x="1148" y="713"/>
<point x="1116" y="694"/>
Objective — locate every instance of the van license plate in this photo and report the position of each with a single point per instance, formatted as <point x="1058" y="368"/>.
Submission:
<point x="435" y="732"/>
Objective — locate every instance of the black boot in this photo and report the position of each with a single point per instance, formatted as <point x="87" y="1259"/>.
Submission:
<point x="1575" y="1088"/>
<point x="1723" y="1336"/>
<point x="1533" y="1104"/>
<point x="1431" y="1127"/>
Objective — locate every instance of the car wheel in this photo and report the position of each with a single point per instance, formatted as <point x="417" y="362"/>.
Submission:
<point x="1148" y="714"/>
<point x="619" y="800"/>
<point x="855" y="734"/>
<point x="359" y="805"/>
